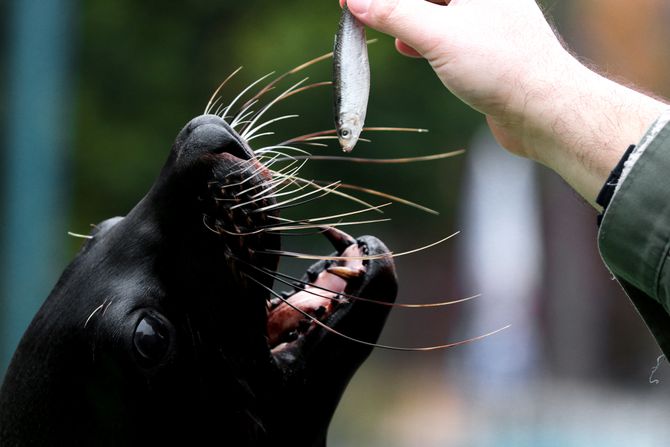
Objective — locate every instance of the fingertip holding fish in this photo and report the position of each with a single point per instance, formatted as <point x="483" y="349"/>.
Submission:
<point x="351" y="79"/>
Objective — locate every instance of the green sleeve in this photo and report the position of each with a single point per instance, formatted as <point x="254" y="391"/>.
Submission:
<point x="634" y="237"/>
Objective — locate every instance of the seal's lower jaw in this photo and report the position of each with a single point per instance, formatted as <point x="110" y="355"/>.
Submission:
<point x="333" y="300"/>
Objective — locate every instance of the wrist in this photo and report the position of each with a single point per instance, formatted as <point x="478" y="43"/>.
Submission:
<point x="580" y="124"/>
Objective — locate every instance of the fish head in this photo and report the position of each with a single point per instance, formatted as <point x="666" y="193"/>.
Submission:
<point x="349" y="130"/>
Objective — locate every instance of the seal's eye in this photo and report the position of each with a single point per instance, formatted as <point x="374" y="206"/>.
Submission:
<point x="345" y="133"/>
<point x="151" y="340"/>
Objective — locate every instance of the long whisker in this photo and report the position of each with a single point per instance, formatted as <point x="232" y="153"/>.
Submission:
<point x="216" y="92"/>
<point x="266" y="149"/>
<point x="267" y="193"/>
<point x="294" y="70"/>
<point x="267" y="123"/>
<point x="336" y="192"/>
<point x="337" y="216"/>
<point x="250" y="126"/>
<point x="258" y="135"/>
<point x="242" y="113"/>
<point x="239" y="118"/>
<point x="280" y="205"/>
<point x="79" y="235"/>
<point x="279" y="229"/>
<point x="291" y="282"/>
<point x="269" y="186"/>
<point x="382" y="160"/>
<point x="322" y="133"/>
<point x="249" y="177"/>
<point x="330" y="224"/>
<point x="367" y="343"/>
<point x="243" y="92"/>
<point x="384" y="195"/>
<point x="389" y="254"/>
<point x="240" y="167"/>
<point x="308" y="87"/>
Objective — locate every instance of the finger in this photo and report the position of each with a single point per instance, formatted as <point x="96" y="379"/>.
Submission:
<point x="437" y="2"/>
<point x="406" y="50"/>
<point x="415" y="22"/>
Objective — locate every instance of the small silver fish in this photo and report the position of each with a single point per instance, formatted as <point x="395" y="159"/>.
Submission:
<point x="351" y="77"/>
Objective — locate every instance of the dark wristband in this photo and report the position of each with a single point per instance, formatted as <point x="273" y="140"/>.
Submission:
<point x="607" y="192"/>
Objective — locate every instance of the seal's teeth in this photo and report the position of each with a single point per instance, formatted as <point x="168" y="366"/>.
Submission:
<point x="346" y="273"/>
<point x="338" y="238"/>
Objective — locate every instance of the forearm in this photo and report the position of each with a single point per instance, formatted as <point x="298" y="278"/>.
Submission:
<point x="581" y="126"/>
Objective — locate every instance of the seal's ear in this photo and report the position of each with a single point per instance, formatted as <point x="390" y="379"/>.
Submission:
<point x="99" y="231"/>
<point x="105" y="226"/>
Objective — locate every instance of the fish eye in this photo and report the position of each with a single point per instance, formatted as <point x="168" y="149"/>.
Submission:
<point x="151" y="340"/>
<point x="345" y="133"/>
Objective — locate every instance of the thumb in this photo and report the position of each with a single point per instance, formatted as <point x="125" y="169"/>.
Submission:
<point x="415" y="22"/>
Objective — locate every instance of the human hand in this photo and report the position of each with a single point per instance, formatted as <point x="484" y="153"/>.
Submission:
<point x="502" y="58"/>
<point x="490" y="54"/>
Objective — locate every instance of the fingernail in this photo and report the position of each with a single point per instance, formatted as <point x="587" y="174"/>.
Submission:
<point x="359" y="6"/>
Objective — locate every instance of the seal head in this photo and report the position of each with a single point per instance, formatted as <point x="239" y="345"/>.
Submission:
<point x="164" y="330"/>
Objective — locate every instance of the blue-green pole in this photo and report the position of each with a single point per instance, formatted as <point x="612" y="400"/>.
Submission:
<point x="36" y="139"/>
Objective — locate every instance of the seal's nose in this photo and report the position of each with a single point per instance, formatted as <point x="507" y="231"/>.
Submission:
<point x="209" y="134"/>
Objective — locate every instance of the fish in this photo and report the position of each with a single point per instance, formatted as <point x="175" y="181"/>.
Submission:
<point x="351" y="79"/>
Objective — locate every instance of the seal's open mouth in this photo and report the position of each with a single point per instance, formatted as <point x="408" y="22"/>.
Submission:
<point x="241" y="205"/>
<point x="317" y="301"/>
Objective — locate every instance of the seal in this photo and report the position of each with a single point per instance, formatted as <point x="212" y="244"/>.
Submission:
<point x="165" y="330"/>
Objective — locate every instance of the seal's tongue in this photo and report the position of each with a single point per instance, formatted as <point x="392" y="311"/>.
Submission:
<point x="321" y="297"/>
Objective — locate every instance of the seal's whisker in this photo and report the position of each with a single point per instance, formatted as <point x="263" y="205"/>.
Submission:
<point x="298" y="203"/>
<point x="335" y="192"/>
<point x="239" y="119"/>
<point x="243" y="92"/>
<point x="264" y="134"/>
<point x="241" y="114"/>
<point x="78" y="235"/>
<point x="338" y="216"/>
<point x="384" y="195"/>
<point x="265" y="187"/>
<point x="382" y="160"/>
<point x="96" y="310"/>
<point x="270" y="85"/>
<point x="308" y="87"/>
<point x="218" y="89"/>
<point x="330" y="224"/>
<point x="249" y="177"/>
<point x="292" y="179"/>
<point x="267" y="107"/>
<point x="214" y="104"/>
<point x="287" y="176"/>
<point x="280" y="192"/>
<point x="326" y="190"/>
<point x="273" y="148"/>
<point x="291" y="282"/>
<point x="242" y="166"/>
<point x="389" y="254"/>
<point x="208" y="226"/>
<point x="250" y="134"/>
<point x="290" y="93"/>
<point x="323" y="133"/>
<point x="255" y="199"/>
<point x="367" y="343"/>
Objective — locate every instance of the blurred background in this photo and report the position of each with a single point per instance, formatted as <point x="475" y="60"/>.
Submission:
<point x="92" y="94"/>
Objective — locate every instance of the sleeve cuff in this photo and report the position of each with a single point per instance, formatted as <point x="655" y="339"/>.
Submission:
<point x="634" y="237"/>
